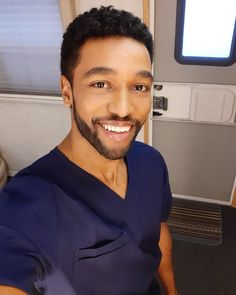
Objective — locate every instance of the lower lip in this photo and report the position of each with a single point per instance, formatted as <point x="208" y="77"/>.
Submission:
<point x="115" y="136"/>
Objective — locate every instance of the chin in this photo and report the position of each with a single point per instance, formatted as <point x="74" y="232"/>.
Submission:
<point x="114" y="153"/>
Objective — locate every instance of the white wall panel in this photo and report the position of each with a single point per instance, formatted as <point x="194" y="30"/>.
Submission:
<point x="30" y="128"/>
<point x="212" y="105"/>
<point x="198" y="102"/>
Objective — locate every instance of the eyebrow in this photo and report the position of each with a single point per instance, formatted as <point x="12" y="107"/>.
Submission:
<point x="145" y="74"/>
<point x="109" y="71"/>
<point x="100" y="71"/>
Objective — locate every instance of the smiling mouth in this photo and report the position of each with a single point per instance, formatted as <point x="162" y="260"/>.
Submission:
<point x="116" y="129"/>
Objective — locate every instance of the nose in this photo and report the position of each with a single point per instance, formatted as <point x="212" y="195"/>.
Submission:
<point x="121" y="103"/>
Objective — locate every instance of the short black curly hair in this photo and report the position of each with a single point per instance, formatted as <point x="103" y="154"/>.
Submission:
<point x="100" y="23"/>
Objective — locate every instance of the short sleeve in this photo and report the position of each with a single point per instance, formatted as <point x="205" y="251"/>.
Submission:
<point x="19" y="261"/>
<point x="23" y="215"/>
<point x="167" y="195"/>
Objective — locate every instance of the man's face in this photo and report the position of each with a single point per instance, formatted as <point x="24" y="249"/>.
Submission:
<point x="111" y="93"/>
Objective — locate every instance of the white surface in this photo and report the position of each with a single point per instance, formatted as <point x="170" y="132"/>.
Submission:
<point x="199" y="102"/>
<point x="178" y="100"/>
<point x="134" y="6"/>
<point x="30" y="127"/>
<point x="212" y="105"/>
<point x="212" y="36"/>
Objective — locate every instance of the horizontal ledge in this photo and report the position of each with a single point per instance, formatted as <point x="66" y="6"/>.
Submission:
<point x="201" y="199"/>
<point x="179" y="120"/>
<point x="19" y="98"/>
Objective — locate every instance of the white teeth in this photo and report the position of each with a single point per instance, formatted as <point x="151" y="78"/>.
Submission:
<point x="118" y="129"/>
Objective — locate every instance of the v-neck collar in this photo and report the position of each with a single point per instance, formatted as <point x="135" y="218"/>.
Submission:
<point x="80" y="185"/>
<point x="85" y="175"/>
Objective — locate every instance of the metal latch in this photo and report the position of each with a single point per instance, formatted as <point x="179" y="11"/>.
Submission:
<point x="160" y="103"/>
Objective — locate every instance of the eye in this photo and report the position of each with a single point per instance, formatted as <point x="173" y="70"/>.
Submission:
<point x="141" y="88"/>
<point x="100" y="84"/>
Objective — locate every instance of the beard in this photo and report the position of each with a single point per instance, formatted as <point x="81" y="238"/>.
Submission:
<point x="91" y="135"/>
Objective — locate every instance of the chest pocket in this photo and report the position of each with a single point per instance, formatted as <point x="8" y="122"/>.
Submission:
<point x="113" y="267"/>
<point x="95" y="268"/>
<point x="100" y="249"/>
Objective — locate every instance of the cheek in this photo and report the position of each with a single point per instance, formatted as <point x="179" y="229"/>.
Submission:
<point x="88" y="109"/>
<point x="143" y="107"/>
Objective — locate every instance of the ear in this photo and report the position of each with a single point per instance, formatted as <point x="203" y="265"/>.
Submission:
<point x="66" y="91"/>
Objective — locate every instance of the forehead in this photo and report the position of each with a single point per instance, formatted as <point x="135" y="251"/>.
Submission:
<point x="118" y="53"/>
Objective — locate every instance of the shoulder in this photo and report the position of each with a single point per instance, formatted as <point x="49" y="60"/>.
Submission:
<point x="28" y="190"/>
<point x="25" y="195"/>
<point x="44" y="164"/>
<point x="25" y="185"/>
<point x="27" y="204"/>
<point x="149" y="160"/>
<point x="146" y="152"/>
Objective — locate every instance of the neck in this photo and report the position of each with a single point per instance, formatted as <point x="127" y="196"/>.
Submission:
<point x="86" y="156"/>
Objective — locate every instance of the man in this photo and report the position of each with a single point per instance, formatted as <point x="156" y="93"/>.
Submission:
<point x="88" y="217"/>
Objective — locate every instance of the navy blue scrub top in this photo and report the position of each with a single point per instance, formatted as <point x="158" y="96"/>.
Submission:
<point x="64" y="232"/>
